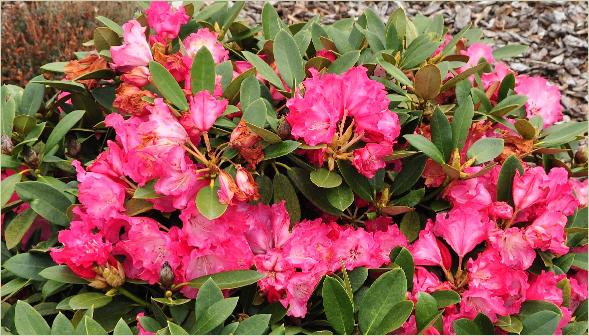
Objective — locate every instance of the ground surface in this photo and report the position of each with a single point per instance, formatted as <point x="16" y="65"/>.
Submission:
<point x="556" y="32"/>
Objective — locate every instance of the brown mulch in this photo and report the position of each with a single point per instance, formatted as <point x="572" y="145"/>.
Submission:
<point x="556" y="33"/>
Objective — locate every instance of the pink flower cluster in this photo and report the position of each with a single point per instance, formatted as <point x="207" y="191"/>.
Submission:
<point x="497" y="281"/>
<point x="334" y="105"/>
<point x="543" y="97"/>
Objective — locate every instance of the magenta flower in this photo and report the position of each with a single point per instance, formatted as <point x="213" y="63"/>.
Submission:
<point x="462" y="229"/>
<point x="205" y="109"/>
<point x="165" y="20"/>
<point x="134" y="51"/>
<point x="543" y="98"/>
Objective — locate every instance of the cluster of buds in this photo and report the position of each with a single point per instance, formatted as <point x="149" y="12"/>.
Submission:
<point x="242" y="188"/>
<point x="108" y="276"/>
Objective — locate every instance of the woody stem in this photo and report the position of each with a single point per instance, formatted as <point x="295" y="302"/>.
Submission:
<point x="207" y="141"/>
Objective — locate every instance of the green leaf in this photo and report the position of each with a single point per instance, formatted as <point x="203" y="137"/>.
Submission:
<point x="508" y="83"/>
<point x="461" y="123"/>
<point x="428" y="81"/>
<point x="45" y="200"/>
<point x="91" y="327"/>
<point x="208" y="294"/>
<point x="509" y="51"/>
<point x="147" y="191"/>
<point x="401" y="257"/>
<point x="441" y="133"/>
<point x="249" y="92"/>
<point x="485" y="149"/>
<point x="511" y="324"/>
<point x="268" y="136"/>
<point x="395" y="72"/>
<point x="176" y="329"/>
<point x="57" y="67"/>
<point x="387" y="291"/>
<point x="344" y="62"/>
<point x="253" y="325"/>
<point x="18" y="226"/>
<point x="207" y="202"/>
<point x="426" y="310"/>
<point x="62" y="326"/>
<point x="264" y="69"/>
<point x="465" y="326"/>
<point x="28" y="321"/>
<point x="395" y="318"/>
<point x="14" y="286"/>
<point x="462" y="76"/>
<point x="285" y="191"/>
<point x="229" y="279"/>
<point x="288" y="62"/>
<point x="104" y="38"/>
<point x="505" y="179"/>
<point x="508" y="105"/>
<point x="557" y="135"/>
<point x="271" y="23"/>
<point x="61" y="129"/>
<point x="541" y="323"/>
<point x="337" y="306"/>
<point x="167" y="85"/>
<point x="316" y="195"/>
<point x="63" y="274"/>
<point x="410" y="225"/>
<point x="32" y="97"/>
<point x="7" y="187"/>
<point x="280" y="149"/>
<point x="215" y="315"/>
<point x="575" y="328"/>
<point x="340" y="197"/>
<point x="357" y="277"/>
<point x="202" y="73"/>
<point x="427" y="147"/>
<point x="446" y="298"/>
<point x="28" y="266"/>
<point x="110" y="24"/>
<point x="412" y="169"/>
<point x="255" y="113"/>
<point x="485" y="103"/>
<point x="325" y="178"/>
<point x="302" y="39"/>
<point x="8" y="111"/>
<point x="359" y="183"/>
<point x="525" y="129"/>
<point x="65" y="85"/>
<point x="88" y="300"/>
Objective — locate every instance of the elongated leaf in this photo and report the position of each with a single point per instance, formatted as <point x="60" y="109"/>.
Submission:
<point x="387" y="291"/>
<point x="202" y="73"/>
<point x="395" y="72"/>
<point x="283" y="190"/>
<point x="27" y="265"/>
<point x="7" y="187"/>
<point x="88" y="300"/>
<point x="557" y="135"/>
<point x="167" y="85"/>
<point x="32" y="97"/>
<point x="215" y="315"/>
<point x="462" y="76"/>
<point x="541" y="323"/>
<point x="338" y="306"/>
<point x="485" y="149"/>
<point x="271" y="23"/>
<point x="28" y="321"/>
<point x="255" y="113"/>
<point x="395" y="318"/>
<point x="427" y="147"/>
<point x="229" y="279"/>
<point x="509" y="51"/>
<point x="253" y="325"/>
<point x="280" y="149"/>
<point x="207" y="202"/>
<point x="18" y="226"/>
<point x="412" y="169"/>
<point x="402" y="257"/>
<point x="110" y="24"/>
<point x="176" y="329"/>
<point x="426" y="310"/>
<point x="249" y="92"/>
<point x="263" y="69"/>
<point x="62" y="326"/>
<point x="57" y="67"/>
<point x="359" y="183"/>
<point x="441" y="133"/>
<point x="505" y="179"/>
<point x="63" y="274"/>
<point x="289" y="63"/>
<point x="209" y="293"/>
<point x="461" y="123"/>
<point x="344" y="62"/>
<point x="64" y="125"/>
<point x="45" y="200"/>
<point x="465" y="326"/>
<point x="446" y="298"/>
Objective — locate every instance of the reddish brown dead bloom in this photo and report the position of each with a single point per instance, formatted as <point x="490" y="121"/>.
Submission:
<point x="248" y="143"/>
<point x="86" y="65"/>
<point x="129" y="100"/>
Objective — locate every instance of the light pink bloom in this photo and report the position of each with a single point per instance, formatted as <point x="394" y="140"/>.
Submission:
<point x="469" y="193"/>
<point x="547" y="233"/>
<point x="543" y="98"/>
<point x="513" y="247"/>
<point x="427" y="250"/>
<point x="270" y="228"/>
<point x="475" y="52"/>
<point x="246" y="184"/>
<point x="529" y="188"/>
<point x="370" y="158"/>
<point x="544" y="287"/>
<point x="580" y="188"/>
<point x="205" y="109"/>
<point x="208" y="39"/>
<point x="500" y="210"/>
<point x="165" y="20"/>
<point x="227" y="187"/>
<point x="102" y="196"/>
<point x="561" y="196"/>
<point x="463" y="229"/>
<point x="134" y="51"/>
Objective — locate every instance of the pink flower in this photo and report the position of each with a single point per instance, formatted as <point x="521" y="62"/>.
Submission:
<point x="138" y="76"/>
<point x="227" y="187"/>
<point x="427" y="250"/>
<point x="111" y="162"/>
<point x="445" y="42"/>
<point x="102" y="196"/>
<point x="544" y="287"/>
<point x="135" y="50"/>
<point x="469" y="193"/>
<point x="246" y="184"/>
<point x="208" y="39"/>
<point x="369" y="159"/>
<point x="140" y="328"/>
<point x="463" y="229"/>
<point x="426" y="281"/>
<point x="500" y="210"/>
<point x="529" y="188"/>
<point x="354" y="248"/>
<point x="82" y="249"/>
<point x="580" y="188"/>
<point x="561" y="196"/>
<point x="475" y="52"/>
<point x="500" y="70"/>
<point x="547" y="233"/>
<point x="513" y="247"/>
<point x="478" y="300"/>
<point x="165" y="20"/>
<point x="269" y="229"/>
<point x="299" y="289"/>
<point x="543" y="98"/>
<point x="205" y="109"/>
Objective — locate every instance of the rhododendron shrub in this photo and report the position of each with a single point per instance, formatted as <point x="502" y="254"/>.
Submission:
<point x="193" y="174"/>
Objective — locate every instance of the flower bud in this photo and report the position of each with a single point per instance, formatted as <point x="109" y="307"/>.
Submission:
<point x="30" y="157"/>
<point x="98" y="283"/>
<point x="114" y="276"/>
<point x="227" y="187"/>
<point x="72" y="146"/>
<point x="166" y="275"/>
<point x="7" y="145"/>
<point x="580" y="155"/>
<point x="138" y="76"/>
<point x="283" y="129"/>
<point x="446" y="256"/>
<point x="246" y="184"/>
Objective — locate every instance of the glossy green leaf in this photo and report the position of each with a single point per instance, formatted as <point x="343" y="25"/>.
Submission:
<point x="215" y="315"/>
<point x="229" y="279"/>
<point x="63" y="274"/>
<point x="249" y="92"/>
<point x="462" y="122"/>
<point x="446" y="298"/>
<point x="441" y="133"/>
<point x="28" y="321"/>
<point x="541" y="323"/>
<point x="288" y="62"/>
<point x="271" y="22"/>
<point x="18" y="226"/>
<point x="45" y="200"/>
<point x="280" y="149"/>
<point x="508" y="105"/>
<point x="325" y="178"/>
<point x="359" y="183"/>
<point x="209" y="293"/>
<point x="62" y="326"/>
<point x="88" y="300"/>
<point x="412" y="169"/>
<point x="401" y="257"/>
<point x="32" y="97"/>
<point x="505" y="179"/>
<point x="28" y="265"/>
<point x="167" y="85"/>
<point x="340" y="197"/>
<point x="395" y="72"/>
<point x="395" y="318"/>
<point x="57" y="67"/>
<point x="316" y="195"/>
<point x="7" y="187"/>
<point x="509" y="51"/>
<point x="255" y="112"/>
<point x="202" y="72"/>
<point x="465" y="326"/>
<point x="207" y="202"/>
<point x="387" y="291"/>
<point x="426" y="310"/>
<point x="424" y="145"/>
<point x="485" y="149"/>
<point x="344" y="62"/>
<point x="264" y="69"/>
<point x="337" y="306"/>
<point x="253" y="325"/>
<point x="283" y="190"/>
<point x="61" y="129"/>
<point x="176" y="329"/>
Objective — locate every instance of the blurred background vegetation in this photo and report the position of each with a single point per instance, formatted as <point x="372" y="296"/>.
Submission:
<point x="39" y="32"/>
